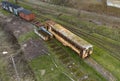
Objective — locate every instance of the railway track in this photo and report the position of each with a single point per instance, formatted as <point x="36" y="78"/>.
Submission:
<point x="97" y="41"/>
<point x="100" y="69"/>
<point x="90" y="61"/>
<point x="67" y="60"/>
<point x="113" y="49"/>
<point x="94" y="64"/>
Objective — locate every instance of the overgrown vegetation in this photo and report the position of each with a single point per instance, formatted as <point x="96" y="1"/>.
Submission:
<point x="98" y="6"/>
<point x="102" y="30"/>
<point x="101" y="55"/>
<point x="4" y="72"/>
<point x="59" y="2"/>
<point x="86" y="69"/>
<point x="4" y="12"/>
<point x="45" y="69"/>
<point x="27" y="36"/>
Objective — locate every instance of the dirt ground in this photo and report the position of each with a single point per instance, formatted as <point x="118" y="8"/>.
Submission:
<point x="34" y="48"/>
<point x="17" y="25"/>
<point x="14" y="27"/>
<point x="9" y="44"/>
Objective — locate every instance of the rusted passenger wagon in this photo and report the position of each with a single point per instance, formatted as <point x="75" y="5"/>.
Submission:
<point x="82" y="47"/>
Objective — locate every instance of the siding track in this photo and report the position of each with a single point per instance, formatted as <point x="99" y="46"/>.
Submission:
<point x="67" y="60"/>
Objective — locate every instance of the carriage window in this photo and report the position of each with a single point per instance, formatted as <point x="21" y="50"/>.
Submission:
<point x="68" y="40"/>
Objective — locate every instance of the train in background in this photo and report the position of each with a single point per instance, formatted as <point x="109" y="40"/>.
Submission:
<point x="18" y="11"/>
<point x="51" y="29"/>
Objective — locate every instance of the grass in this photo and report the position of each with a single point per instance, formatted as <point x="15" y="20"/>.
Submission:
<point x="104" y="58"/>
<point x="3" y="71"/>
<point x="27" y="36"/>
<point x="82" y="65"/>
<point x="4" y="12"/>
<point x="102" y="30"/>
<point x="45" y="70"/>
<point x="56" y="7"/>
<point x="101" y="55"/>
<point x="109" y="62"/>
<point x="114" y="63"/>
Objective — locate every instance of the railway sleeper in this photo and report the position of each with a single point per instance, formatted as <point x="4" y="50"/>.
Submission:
<point x="51" y="42"/>
<point x="65" y="54"/>
<point x="71" y="65"/>
<point x="79" y="74"/>
<point x="53" y="46"/>
<point x="63" y="57"/>
<point x="83" y="78"/>
<point x="67" y="60"/>
<point x="57" y="48"/>
<point x="62" y="54"/>
<point x="67" y="63"/>
<point x="54" y="49"/>
<point x="59" y="52"/>
<point x="74" y="70"/>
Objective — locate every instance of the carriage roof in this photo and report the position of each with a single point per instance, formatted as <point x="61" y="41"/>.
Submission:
<point x="76" y="39"/>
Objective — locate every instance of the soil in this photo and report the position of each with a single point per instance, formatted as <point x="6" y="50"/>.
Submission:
<point x="17" y="26"/>
<point x="10" y="44"/>
<point x="14" y="27"/>
<point x="34" y="48"/>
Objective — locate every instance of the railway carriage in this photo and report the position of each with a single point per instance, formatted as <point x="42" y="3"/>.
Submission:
<point x="26" y="14"/>
<point x="82" y="47"/>
<point x="11" y="7"/>
<point x="16" y="9"/>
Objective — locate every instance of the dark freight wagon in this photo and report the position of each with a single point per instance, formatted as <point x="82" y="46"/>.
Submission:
<point x="26" y="14"/>
<point x="11" y="7"/>
<point x="16" y="9"/>
<point x="5" y="5"/>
